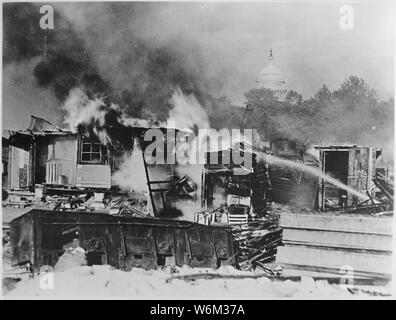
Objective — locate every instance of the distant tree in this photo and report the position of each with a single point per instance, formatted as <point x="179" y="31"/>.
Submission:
<point x="266" y="108"/>
<point x="222" y="114"/>
<point x="349" y="114"/>
<point x="293" y="98"/>
<point x="353" y="114"/>
<point x="323" y="98"/>
<point x="355" y="90"/>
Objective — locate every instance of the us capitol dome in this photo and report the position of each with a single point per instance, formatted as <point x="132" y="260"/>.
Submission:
<point x="271" y="78"/>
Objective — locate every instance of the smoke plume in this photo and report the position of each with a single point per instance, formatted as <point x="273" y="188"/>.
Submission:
<point x="131" y="175"/>
<point x="109" y="51"/>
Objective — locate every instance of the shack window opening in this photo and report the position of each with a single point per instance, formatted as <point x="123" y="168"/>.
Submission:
<point x="90" y="152"/>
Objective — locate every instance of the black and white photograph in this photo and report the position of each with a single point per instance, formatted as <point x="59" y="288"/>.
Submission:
<point x="198" y="151"/>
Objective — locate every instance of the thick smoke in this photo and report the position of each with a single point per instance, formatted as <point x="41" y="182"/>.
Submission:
<point x="134" y="55"/>
<point x="65" y="65"/>
<point x="106" y="49"/>
<point x="108" y="66"/>
<point x="20" y="91"/>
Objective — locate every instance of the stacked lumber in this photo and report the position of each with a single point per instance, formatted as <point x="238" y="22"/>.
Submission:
<point x="325" y="245"/>
<point x="256" y="243"/>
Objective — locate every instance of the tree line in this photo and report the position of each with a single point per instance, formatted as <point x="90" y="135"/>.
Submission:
<point x="351" y="114"/>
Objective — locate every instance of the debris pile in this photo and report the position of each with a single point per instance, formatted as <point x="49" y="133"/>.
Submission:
<point x="18" y="199"/>
<point x="82" y="200"/>
<point x="385" y="186"/>
<point x="279" y="208"/>
<point x="256" y="244"/>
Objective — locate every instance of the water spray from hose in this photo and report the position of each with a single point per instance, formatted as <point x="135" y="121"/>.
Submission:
<point x="271" y="159"/>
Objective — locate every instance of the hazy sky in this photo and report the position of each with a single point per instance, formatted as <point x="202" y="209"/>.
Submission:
<point x="234" y="39"/>
<point x="308" y="44"/>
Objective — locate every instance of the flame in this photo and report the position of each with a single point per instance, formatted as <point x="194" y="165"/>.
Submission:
<point x="131" y="175"/>
<point x="80" y="109"/>
<point x="187" y="113"/>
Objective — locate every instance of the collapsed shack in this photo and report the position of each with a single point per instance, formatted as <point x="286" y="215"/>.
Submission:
<point x="233" y="193"/>
<point x="40" y="237"/>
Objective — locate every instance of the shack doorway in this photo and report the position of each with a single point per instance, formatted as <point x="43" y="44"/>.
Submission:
<point x="336" y="166"/>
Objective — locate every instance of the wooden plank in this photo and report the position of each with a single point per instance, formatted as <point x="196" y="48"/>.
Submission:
<point x="373" y="225"/>
<point x="93" y="176"/>
<point x="340" y="239"/>
<point x="313" y="257"/>
<point x="334" y="276"/>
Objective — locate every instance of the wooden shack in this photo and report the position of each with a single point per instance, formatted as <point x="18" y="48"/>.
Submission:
<point x="352" y="165"/>
<point x="40" y="237"/>
<point x="57" y="158"/>
<point x="63" y="159"/>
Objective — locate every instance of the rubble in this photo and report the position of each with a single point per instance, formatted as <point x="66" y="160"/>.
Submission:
<point x="385" y="186"/>
<point x="19" y="199"/>
<point x="256" y="244"/>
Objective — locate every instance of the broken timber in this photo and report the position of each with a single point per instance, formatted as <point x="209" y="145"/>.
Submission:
<point x="256" y="243"/>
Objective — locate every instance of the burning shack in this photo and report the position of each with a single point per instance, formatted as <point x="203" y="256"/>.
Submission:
<point x="290" y="185"/>
<point x="73" y="161"/>
<point x="45" y="154"/>
<point x="236" y="193"/>
<point x="64" y="161"/>
<point x="67" y="162"/>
